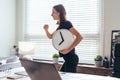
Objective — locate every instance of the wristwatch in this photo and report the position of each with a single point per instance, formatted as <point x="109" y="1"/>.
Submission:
<point x="62" y="39"/>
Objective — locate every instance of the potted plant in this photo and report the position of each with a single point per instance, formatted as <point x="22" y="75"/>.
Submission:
<point x="98" y="60"/>
<point x="16" y="49"/>
<point x="55" y="57"/>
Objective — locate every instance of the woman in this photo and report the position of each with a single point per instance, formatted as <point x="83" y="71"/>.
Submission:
<point x="71" y="59"/>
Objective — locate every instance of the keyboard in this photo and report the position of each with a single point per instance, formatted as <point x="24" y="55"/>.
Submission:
<point x="4" y="73"/>
<point x="23" y="73"/>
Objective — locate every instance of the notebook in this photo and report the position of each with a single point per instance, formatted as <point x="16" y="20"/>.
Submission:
<point x="40" y="70"/>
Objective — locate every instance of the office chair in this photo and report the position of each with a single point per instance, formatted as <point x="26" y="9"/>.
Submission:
<point x="116" y="66"/>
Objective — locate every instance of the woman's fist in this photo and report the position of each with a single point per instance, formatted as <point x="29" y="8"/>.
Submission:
<point x="46" y="27"/>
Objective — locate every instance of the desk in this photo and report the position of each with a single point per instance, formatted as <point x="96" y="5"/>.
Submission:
<point x="87" y="69"/>
<point x="74" y="76"/>
<point x="91" y="69"/>
<point x="71" y="76"/>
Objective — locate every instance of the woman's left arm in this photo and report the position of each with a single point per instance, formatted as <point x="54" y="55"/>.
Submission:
<point x="76" y="41"/>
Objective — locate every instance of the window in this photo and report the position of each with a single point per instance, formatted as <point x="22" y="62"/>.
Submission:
<point x="84" y="15"/>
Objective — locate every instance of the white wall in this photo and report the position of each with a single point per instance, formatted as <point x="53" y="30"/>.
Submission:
<point x="7" y="26"/>
<point x="111" y="22"/>
<point x="20" y="20"/>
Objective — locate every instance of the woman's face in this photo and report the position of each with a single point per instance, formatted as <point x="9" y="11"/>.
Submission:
<point x="55" y="14"/>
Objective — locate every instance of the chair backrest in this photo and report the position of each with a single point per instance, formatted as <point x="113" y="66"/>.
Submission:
<point x="117" y="50"/>
<point x="116" y="66"/>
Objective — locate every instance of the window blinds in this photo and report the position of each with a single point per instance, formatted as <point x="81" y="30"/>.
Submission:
<point x="84" y="15"/>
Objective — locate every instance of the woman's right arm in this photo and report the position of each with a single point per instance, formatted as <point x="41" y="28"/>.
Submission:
<point x="49" y="35"/>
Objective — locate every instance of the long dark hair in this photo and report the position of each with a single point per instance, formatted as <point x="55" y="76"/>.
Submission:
<point x="60" y="8"/>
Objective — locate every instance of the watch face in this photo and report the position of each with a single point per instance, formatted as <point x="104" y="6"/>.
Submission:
<point x="62" y="39"/>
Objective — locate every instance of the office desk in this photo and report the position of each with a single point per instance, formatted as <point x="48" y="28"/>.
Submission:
<point x="71" y="76"/>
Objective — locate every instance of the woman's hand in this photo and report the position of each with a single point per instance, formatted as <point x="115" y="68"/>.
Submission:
<point x="46" y="27"/>
<point x="65" y="51"/>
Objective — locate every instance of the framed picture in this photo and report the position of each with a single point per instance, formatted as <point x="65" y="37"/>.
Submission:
<point x="115" y="38"/>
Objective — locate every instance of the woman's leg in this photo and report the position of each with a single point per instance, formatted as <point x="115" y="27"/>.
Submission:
<point x="70" y="64"/>
<point x="63" y="68"/>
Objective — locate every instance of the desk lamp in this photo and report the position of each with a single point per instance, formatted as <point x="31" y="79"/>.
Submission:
<point x="26" y="48"/>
